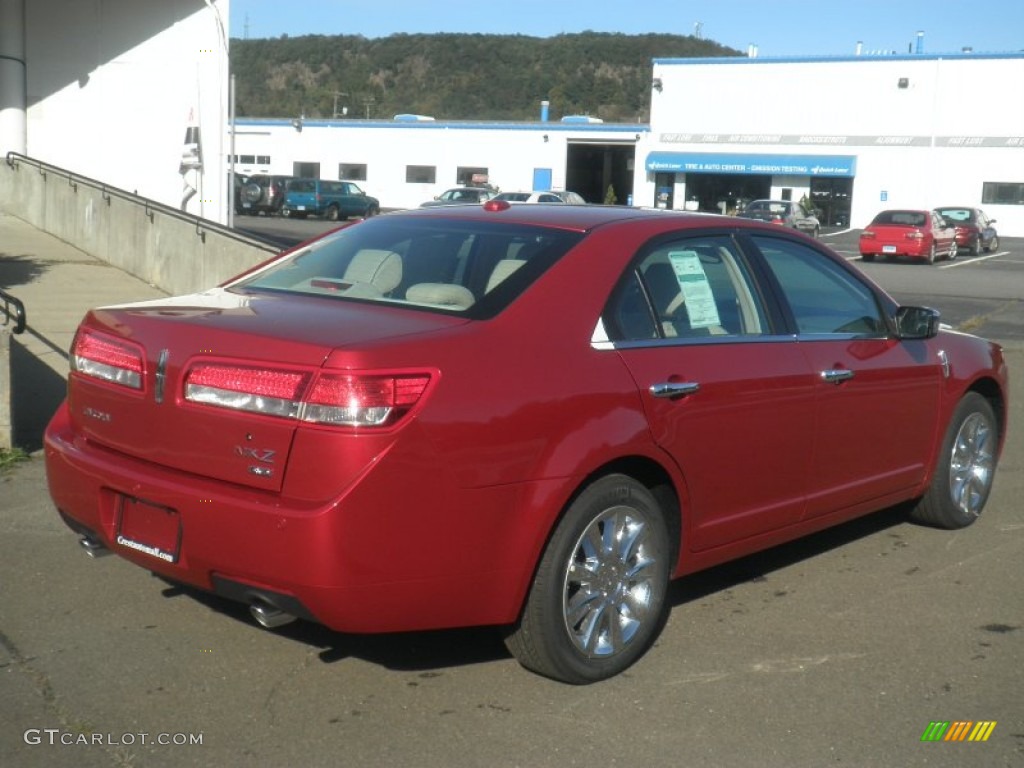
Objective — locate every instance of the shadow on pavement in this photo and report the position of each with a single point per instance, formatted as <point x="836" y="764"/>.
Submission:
<point x="36" y="392"/>
<point x="19" y="270"/>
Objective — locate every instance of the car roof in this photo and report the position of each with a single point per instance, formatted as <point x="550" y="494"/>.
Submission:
<point x="578" y="217"/>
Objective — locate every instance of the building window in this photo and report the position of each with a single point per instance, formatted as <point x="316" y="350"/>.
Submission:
<point x="420" y="174"/>
<point x="352" y="171"/>
<point x="1002" y="193"/>
<point x="306" y="170"/>
<point x="262" y="159"/>
<point x="247" y="159"/>
<point x="468" y="176"/>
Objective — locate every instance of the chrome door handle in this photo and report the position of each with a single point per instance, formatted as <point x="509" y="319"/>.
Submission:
<point x="674" y="388"/>
<point x="836" y="375"/>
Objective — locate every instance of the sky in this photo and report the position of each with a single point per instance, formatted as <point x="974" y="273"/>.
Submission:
<point x="789" y="28"/>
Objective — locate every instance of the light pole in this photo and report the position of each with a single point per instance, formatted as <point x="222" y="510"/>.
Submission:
<point x="343" y="109"/>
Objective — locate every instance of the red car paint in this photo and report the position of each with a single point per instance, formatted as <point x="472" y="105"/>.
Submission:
<point x="437" y="515"/>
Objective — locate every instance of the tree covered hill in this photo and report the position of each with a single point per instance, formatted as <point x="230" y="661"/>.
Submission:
<point x="455" y="76"/>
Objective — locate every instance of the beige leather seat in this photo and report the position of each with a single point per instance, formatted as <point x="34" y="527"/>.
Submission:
<point x="373" y="272"/>
<point x="441" y="295"/>
<point x="501" y="271"/>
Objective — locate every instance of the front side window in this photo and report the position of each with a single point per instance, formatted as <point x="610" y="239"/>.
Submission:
<point x="686" y="288"/>
<point x="823" y="297"/>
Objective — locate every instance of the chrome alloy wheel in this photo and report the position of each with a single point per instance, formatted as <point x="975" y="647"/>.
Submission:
<point x="971" y="464"/>
<point x="610" y="583"/>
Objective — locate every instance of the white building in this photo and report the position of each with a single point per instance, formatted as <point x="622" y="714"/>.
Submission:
<point x="855" y="134"/>
<point x="132" y="93"/>
<point x="404" y="162"/>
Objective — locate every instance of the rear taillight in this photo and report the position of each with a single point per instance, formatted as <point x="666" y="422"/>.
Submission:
<point x="337" y="399"/>
<point x="914" y="235"/>
<point x="107" y="358"/>
<point x="778" y="220"/>
<point x="260" y="390"/>
<point x="867" y="234"/>
<point x="354" y="400"/>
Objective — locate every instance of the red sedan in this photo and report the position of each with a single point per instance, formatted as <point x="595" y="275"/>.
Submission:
<point x="916" y="234"/>
<point x="531" y="417"/>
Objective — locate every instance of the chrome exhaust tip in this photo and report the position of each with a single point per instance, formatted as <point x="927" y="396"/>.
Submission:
<point x="269" y="616"/>
<point x="93" y="548"/>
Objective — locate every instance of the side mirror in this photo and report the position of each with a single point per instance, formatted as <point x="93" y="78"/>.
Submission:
<point x="917" y="322"/>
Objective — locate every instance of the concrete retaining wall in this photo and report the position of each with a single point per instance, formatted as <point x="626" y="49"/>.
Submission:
<point x="175" y="252"/>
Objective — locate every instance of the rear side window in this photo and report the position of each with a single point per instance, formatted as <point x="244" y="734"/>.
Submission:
<point x="686" y="289"/>
<point x="823" y="297"/>
<point x="471" y="268"/>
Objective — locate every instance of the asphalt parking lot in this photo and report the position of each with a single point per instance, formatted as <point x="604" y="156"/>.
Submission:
<point x="839" y="649"/>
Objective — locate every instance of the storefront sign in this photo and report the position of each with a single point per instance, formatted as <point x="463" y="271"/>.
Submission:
<point x="783" y="165"/>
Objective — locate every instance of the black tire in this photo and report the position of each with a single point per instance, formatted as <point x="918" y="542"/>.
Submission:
<point x="965" y="468"/>
<point x="286" y="213"/>
<point x="595" y="606"/>
<point x="867" y="257"/>
<point x="976" y="246"/>
<point x="332" y="213"/>
<point x="952" y="251"/>
<point x="931" y="253"/>
<point x="993" y="245"/>
<point x="371" y="211"/>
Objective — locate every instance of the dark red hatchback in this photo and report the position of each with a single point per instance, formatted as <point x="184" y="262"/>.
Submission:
<point x="531" y="417"/>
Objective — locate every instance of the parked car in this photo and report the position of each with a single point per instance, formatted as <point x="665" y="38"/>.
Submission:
<point x="333" y="200"/>
<point x="783" y="212"/>
<point x="528" y="416"/>
<point x="239" y="183"/>
<point x="461" y="196"/>
<point x="919" y="234"/>
<point x="545" y="196"/>
<point x="974" y="230"/>
<point x="262" y="194"/>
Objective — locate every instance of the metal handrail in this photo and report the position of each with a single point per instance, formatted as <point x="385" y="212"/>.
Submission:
<point x="202" y="225"/>
<point x="18" y="315"/>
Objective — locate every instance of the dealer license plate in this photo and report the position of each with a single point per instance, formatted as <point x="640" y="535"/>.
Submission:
<point x="148" y="528"/>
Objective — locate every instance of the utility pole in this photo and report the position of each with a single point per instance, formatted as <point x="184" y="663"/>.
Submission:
<point x="344" y="109"/>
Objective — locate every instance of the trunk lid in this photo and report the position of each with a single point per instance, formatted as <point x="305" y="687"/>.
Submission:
<point x="156" y="423"/>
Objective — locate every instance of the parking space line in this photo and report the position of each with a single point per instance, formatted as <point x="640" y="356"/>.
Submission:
<point x="975" y="260"/>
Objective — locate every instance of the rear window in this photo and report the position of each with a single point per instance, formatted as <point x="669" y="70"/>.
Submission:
<point x="902" y="218"/>
<point x="301" y="185"/>
<point x="470" y="268"/>
<point x="956" y="214"/>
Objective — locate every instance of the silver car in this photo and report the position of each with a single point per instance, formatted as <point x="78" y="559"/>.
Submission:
<point x="785" y="213"/>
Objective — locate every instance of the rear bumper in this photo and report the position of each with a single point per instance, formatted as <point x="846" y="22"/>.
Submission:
<point x="356" y="563"/>
<point x="901" y="251"/>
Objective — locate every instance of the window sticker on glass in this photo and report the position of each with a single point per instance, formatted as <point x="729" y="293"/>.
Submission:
<point x="697" y="295"/>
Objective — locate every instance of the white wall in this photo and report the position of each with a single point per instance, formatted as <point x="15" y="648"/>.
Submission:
<point x="111" y="85"/>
